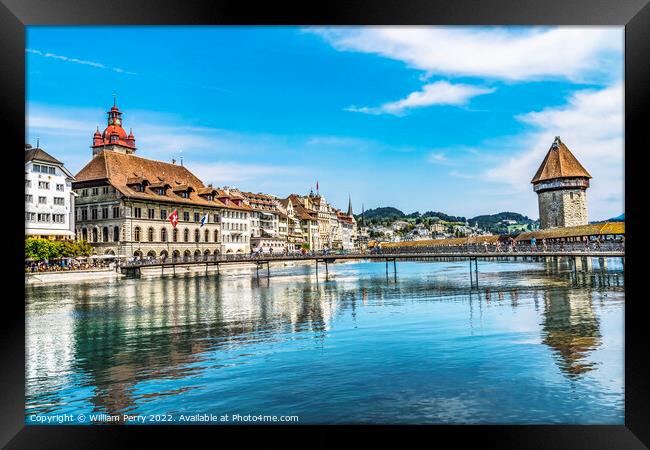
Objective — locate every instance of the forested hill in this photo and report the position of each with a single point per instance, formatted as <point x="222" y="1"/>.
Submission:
<point x="485" y="221"/>
<point x="490" y="220"/>
<point x="385" y="213"/>
<point x="388" y="213"/>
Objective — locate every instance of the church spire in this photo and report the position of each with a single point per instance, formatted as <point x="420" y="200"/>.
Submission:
<point x="349" y="205"/>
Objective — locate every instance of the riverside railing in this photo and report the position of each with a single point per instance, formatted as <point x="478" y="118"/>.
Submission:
<point x="505" y="250"/>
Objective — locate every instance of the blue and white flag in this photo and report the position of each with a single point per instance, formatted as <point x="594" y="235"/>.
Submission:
<point x="204" y="219"/>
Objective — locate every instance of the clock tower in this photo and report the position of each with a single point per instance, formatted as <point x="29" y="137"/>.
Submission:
<point x="114" y="137"/>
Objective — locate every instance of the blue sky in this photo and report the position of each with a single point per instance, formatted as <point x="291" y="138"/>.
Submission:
<point x="452" y="119"/>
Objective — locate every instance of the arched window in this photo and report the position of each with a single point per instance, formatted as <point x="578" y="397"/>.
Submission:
<point x="163" y="235"/>
<point x="105" y="234"/>
<point x="197" y="235"/>
<point x="94" y="234"/>
<point x="150" y="234"/>
<point x="186" y="235"/>
<point x="116" y="234"/>
<point x="207" y="236"/>
<point x="175" y="235"/>
<point x="136" y="234"/>
<point x="216" y="236"/>
<point x="84" y="234"/>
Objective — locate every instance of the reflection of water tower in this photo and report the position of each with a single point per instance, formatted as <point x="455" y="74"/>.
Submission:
<point x="571" y="329"/>
<point x="561" y="185"/>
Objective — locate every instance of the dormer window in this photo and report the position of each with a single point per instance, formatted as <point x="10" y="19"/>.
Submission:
<point x="184" y="194"/>
<point x="137" y="183"/>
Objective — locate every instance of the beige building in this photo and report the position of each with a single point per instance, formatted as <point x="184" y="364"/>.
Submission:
<point x="295" y="238"/>
<point x="266" y="223"/>
<point x="307" y="218"/>
<point x="124" y="204"/>
<point x="561" y="185"/>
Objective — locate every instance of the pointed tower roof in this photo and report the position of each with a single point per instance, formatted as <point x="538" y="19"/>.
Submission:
<point x="349" y="205"/>
<point x="559" y="163"/>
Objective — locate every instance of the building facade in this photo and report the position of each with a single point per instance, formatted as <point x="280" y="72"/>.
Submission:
<point x="49" y="198"/>
<point x="266" y="224"/>
<point x="125" y="202"/>
<point x="561" y="184"/>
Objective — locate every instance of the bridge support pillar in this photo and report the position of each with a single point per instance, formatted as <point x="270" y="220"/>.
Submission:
<point x="602" y="263"/>
<point x="588" y="264"/>
<point x="577" y="263"/>
<point x="473" y="277"/>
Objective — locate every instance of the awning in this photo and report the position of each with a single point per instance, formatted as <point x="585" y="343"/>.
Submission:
<point x="44" y="232"/>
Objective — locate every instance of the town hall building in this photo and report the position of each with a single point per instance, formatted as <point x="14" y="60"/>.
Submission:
<point x="124" y="203"/>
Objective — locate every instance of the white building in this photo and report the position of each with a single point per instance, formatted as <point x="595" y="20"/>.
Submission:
<point x="49" y="199"/>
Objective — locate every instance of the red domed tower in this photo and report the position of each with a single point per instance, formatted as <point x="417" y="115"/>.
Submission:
<point x="114" y="137"/>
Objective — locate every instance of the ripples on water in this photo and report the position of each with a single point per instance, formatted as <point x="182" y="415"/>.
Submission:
<point x="534" y="345"/>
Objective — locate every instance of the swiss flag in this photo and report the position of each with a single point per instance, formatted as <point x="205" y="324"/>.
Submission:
<point x="173" y="218"/>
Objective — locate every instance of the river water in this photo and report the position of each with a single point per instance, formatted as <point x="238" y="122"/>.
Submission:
<point x="535" y="343"/>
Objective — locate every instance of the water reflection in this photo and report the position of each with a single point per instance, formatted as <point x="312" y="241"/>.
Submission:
<point x="571" y="328"/>
<point x="125" y="346"/>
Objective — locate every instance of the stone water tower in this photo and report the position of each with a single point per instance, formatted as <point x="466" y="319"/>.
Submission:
<point x="561" y="185"/>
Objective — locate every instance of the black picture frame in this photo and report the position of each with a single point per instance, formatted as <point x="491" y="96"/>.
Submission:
<point x="633" y="14"/>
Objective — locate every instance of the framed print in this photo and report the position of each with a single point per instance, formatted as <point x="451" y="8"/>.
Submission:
<point x="370" y="217"/>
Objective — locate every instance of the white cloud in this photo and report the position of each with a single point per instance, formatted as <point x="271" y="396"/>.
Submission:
<point x="591" y="125"/>
<point x="510" y="53"/>
<point x="438" y="158"/>
<point x="77" y="61"/>
<point x="438" y="93"/>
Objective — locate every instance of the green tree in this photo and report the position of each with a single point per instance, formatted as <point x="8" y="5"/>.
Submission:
<point x="38" y="249"/>
<point x="83" y="248"/>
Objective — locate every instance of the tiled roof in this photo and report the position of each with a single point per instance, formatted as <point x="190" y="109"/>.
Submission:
<point x="592" y="229"/>
<point x="300" y="210"/>
<point x="443" y="242"/>
<point x="38" y="154"/>
<point x="136" y="180"/>
<point x="118" y="168"/>
<point x="559" y="163"/>
<point x="206" y="191"/>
